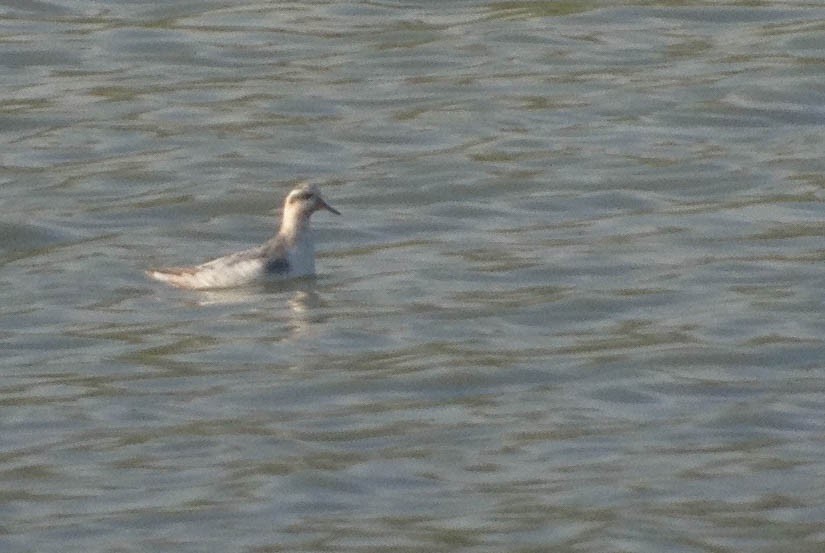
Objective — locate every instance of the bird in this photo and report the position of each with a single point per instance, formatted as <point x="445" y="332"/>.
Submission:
<point x="288" y="254"/>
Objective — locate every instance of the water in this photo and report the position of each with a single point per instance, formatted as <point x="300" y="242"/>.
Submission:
<point x="573" y="302"/>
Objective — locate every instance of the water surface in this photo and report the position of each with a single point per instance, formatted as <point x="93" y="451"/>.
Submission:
<point x="572" y="304"/>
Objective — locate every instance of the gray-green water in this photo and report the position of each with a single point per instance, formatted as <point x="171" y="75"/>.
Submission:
<point x="574" y="302"/>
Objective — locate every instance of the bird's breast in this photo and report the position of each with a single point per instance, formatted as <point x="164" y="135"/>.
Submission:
<point x="301" y="259"/>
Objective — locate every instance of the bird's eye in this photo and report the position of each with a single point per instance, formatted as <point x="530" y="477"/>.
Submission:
<point x="303" y="196"/>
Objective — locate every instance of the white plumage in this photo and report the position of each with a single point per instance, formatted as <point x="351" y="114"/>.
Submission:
<point x="289" y="254"/>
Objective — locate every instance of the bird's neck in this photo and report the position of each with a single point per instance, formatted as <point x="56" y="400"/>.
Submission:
<point x="293" y="226"/>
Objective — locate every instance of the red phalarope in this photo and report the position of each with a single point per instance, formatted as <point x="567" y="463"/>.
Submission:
<point x="289" y="254"/>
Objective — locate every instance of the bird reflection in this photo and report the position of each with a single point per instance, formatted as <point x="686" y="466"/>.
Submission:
<point x="302" y="302"/>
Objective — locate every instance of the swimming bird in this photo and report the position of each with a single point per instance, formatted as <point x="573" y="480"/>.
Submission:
<point x="288" y="254"/>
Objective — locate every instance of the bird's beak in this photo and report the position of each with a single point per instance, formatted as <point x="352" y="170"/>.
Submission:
<point x="324" y="205"/>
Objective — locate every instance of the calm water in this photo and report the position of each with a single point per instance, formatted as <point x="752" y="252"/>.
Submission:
<point x="574" y="302"/>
